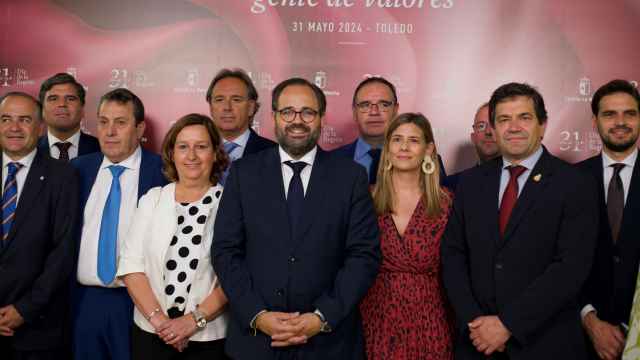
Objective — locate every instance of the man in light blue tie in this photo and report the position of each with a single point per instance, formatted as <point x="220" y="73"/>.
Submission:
<point x="111" y="182"/>
<point x="39" y="213"/>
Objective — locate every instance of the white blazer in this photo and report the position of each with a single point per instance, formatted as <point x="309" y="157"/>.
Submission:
<point x="144" y="250"/>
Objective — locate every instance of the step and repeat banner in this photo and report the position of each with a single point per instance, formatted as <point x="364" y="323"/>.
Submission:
<point x="444" y="56"/>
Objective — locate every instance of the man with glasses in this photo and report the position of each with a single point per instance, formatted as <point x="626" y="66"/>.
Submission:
<point x="296" y="241"/>
<point x="484" y="141"/>
<point x="233" y="102"/>
<point x="374" y="104"/>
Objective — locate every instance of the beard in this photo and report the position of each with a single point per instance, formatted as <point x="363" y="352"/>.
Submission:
<point x="297" y="148"/>
<point x="619" y="147"/>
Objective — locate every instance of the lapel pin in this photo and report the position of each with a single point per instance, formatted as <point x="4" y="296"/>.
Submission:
<point x="537" y="177"/>
<point x="41" y="177"/>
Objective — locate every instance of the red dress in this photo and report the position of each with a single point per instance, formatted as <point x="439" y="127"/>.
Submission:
<point x="405" y="314"/>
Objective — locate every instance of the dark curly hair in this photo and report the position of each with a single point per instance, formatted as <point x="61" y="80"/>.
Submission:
<point x="221" y="159"/>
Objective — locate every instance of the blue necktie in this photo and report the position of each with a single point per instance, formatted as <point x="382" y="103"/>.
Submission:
<point x="295" y="194"/>
<point x="228" y="148"/>
<point x="373" y="169"/>
<point x="108" y="241"/>
<point x="9" y="199"/>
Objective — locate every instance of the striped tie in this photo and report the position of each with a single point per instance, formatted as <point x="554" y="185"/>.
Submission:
<point x="228" y="148"/>
<point x="9" y="199"/>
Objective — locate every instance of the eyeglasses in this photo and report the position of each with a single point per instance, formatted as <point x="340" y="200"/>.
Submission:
<point x="481" y="126"/>
<point x="307" y="115"/>
<point x="366" y="106"/>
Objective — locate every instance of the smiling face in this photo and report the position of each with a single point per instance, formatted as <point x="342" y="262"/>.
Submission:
<point x="408" y="148"/>
<point x="19" y="126"/>
<point x="117" y="131"/>
<point x="618" y="123"/>
<point x="231" y="109"/>
<point x="193" y="154"/>
<point x="517" y="128"/>
<point x="297" y="137"/>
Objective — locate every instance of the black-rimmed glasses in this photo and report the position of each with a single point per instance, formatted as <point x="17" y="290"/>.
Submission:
<point x="306" y="114"/>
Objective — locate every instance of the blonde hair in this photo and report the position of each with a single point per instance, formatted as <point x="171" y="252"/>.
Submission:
<point x="432" y="193"/>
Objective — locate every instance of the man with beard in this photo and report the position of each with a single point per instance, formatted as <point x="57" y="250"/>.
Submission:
<point x="608" y="293"/>
<point x="296" y="241"/>
<point x="62" y="99"/>
<point x="484" y="141"/>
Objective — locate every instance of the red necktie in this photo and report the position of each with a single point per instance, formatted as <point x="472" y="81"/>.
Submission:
<point x="510" y="196"/>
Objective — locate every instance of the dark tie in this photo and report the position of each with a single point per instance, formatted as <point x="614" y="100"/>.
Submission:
<point x="295" y="194"/>
<point x="373" y="169"/>
<point x="228" y="148"/>
<point x="108" y="240"/>
<point x="510" y="196"/>
<point x="615" y="201"/>
<point x="64" y="150"/>
<point x="9" y="199"/>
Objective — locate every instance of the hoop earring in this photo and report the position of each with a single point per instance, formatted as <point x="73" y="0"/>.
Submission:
<point x="428" y="166"/>
<point x="388" y="166"/>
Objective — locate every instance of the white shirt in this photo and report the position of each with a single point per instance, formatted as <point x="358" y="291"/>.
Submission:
<point x="625" y="175"/>
<point x="287" y="171"/>
<point x="241" y="141"/>
<point x="73" y="149"/>
<point x="88" y="259"/>
<point x="528" y="163"/>
<point x="21" y="175"/>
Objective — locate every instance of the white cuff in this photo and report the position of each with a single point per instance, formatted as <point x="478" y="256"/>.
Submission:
<point x="587" y="309"/>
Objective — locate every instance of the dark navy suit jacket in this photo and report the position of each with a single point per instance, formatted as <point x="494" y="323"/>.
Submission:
<point x="257" y="143"/>
<point x="87" y="145"/>
<point x="328" y="264"/>
<point x="531" y="278"/>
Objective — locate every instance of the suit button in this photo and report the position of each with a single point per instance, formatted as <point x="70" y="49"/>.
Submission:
<point x="498" y="266"/>
<point x="292" y="259"/>
<point x="279" y="292"/>
<point x="616" y="259"/>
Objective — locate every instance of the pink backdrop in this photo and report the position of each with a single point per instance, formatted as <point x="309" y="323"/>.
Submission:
<point x="445" y="56"/>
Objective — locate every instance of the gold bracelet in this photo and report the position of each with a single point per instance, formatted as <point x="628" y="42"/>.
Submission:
<point x="155" y="311"/>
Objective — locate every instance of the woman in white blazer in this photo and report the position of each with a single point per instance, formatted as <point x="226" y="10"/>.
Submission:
<point x="165" y="259"/>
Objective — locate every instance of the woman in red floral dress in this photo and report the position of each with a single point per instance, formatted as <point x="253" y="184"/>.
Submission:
<point x="405" y="314"/>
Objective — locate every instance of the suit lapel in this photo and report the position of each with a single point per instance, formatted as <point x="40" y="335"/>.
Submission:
<point x="146" y="174"/>
<point x="251" y="143"/>
<point x="275" y="199"/>
<point x="34" y="182"/>
<point x="489" y="195"/>
<point x="533" y="187"/>
<point x="632" y="200"/>
<point x="315" y="195"/>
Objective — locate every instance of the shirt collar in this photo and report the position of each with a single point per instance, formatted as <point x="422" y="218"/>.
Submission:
<point x="74" y="139"/>
<point x="362" y="148"/>
<point x="528" y="163"/>
<point x="628" y="161"/>
<point x="132" y="162"/>
<point x="25" y="161"/>
<point x="240" y="140"/>
<point x="307" y="158"/>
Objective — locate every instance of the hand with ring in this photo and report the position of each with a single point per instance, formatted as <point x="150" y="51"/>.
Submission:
<point x="174" y="331"/>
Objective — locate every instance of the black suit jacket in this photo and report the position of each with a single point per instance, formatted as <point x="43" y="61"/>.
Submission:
<point x="37" y="263"/>
<point x="257" y="143"/>
<point x="612" y="282"/>
<point x="88" y="144"/>
<point x="530" y="278"/>
<point x="349" y="151"/>
<point x="328" y="264"/>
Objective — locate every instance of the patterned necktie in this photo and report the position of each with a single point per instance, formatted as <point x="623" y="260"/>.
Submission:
<point x="9" y="199"/>
<point x="64" y="150"/>
<point x="228" y="148"/>
<point x="108" y="241"/>
<point x="375" y="161"/>
<point x="510" y="196"/>
<point x="295" y="194"/>
<point x="615" y="201"/>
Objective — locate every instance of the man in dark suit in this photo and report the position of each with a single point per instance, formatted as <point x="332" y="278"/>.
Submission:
<point x="103" y="311"/>
<point x="39" y="215"/>
<point x="296" y="241"/>
<point x="484" y="141"/>
<point x="608" y="293"/>
<point x="62" y="99"/>
<point x="519" y="243"/>
<point x="233" y="103"/>
<point x="374" y="105"/>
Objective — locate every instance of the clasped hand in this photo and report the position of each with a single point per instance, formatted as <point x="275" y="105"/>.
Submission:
<point x="287" y="329"/>
<point x="175" y="332"/>
<point x="488" y="334"/>
<point x="10" y="319"/>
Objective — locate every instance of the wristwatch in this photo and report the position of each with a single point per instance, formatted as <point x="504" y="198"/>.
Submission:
<point x="199" y="318"/>
<point x="324" y="327"/>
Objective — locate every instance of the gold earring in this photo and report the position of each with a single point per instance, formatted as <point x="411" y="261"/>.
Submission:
<point x="388" y="166"/>
<point x="428" y="166"/>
